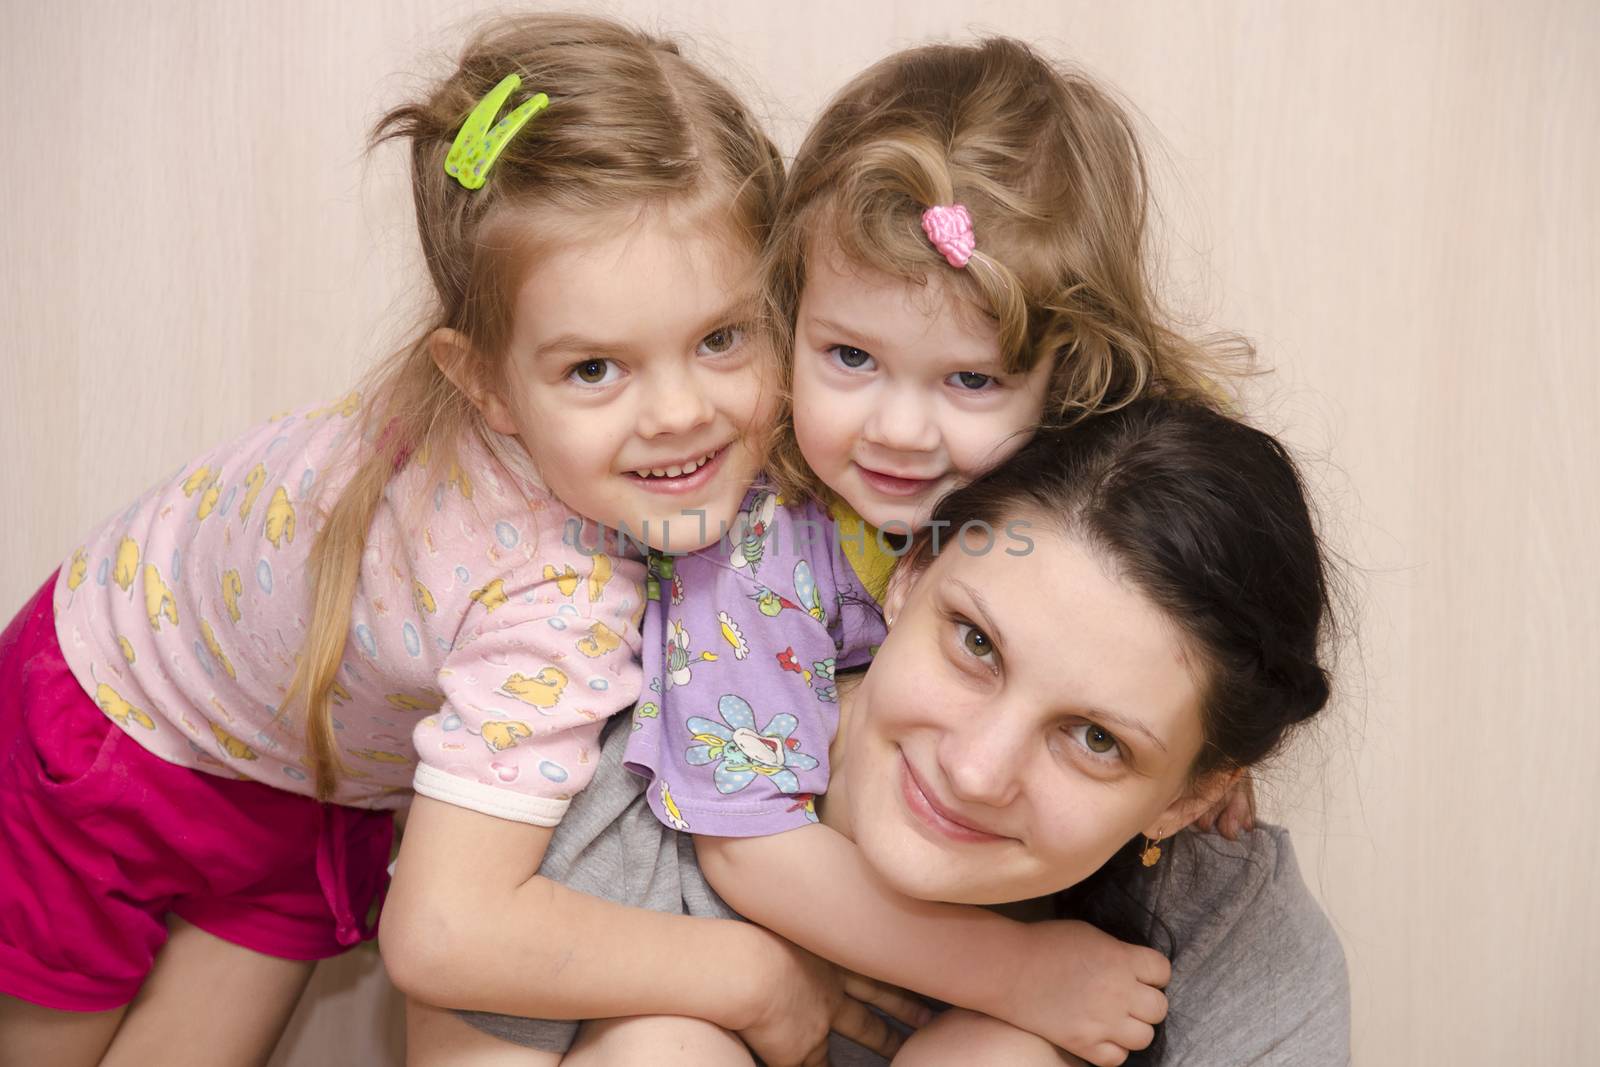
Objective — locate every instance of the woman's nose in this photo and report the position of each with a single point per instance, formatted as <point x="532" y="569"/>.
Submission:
<point x="902" y="422"/>
<point x="983" y="763"/>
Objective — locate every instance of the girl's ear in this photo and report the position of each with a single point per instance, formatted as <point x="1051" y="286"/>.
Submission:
<point x="1195" y="802"/>
<point x="456" y="359"/>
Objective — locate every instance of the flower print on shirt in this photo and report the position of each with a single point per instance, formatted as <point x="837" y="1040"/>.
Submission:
<point x="679" y="657"/>
<point x="740" y="751"/>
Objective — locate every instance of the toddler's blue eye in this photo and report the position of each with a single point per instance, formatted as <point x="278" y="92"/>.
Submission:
<point x="854" y="358"/>
<point x="972" y="380"/>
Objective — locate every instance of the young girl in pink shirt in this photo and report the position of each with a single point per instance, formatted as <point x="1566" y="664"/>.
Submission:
<point x="213" y="708"/>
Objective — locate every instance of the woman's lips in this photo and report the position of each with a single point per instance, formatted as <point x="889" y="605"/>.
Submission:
<point x="684" y="483"/>
<point x="894" y="485"/>
<point x="932" y="815"/>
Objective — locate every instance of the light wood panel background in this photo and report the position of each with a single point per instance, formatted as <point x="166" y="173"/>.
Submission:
<point x="1397" y="201"/>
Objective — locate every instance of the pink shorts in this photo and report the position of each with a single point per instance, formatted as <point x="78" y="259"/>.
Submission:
<point x="100" y="841"/>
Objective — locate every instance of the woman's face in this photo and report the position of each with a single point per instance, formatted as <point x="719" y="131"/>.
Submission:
<point x="1026" y="716"/>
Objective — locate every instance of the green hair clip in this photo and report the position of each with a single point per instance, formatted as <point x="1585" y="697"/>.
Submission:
<point x="477" y="146"/>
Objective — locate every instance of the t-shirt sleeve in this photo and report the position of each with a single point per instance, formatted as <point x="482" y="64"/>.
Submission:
<point x="527" y="688"/>
<point x="1259" y="976"/>
<point x="734" y="730"/>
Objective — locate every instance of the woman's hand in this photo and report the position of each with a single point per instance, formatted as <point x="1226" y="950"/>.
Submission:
<point x="1083" y="990"/>
<point x="1234" y="813"/>
<point x="801" y="997"/>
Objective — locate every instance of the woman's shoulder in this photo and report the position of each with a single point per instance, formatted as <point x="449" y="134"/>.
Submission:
<point x="1258" y="971"/>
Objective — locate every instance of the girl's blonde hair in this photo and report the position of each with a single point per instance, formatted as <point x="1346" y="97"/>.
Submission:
<point x="1049" y="166"/>
<point x="630" y="124"/>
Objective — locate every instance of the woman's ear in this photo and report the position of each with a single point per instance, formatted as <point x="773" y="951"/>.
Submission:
<point x="901" y="582"/>
<point x="456" y="359"/>
<point x="1200" y="798"/>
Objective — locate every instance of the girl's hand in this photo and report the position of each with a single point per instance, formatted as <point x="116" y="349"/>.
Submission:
<point x="1083" y="990"/>
<point x="1234" y="813"/>
<point x="801" y="997"/>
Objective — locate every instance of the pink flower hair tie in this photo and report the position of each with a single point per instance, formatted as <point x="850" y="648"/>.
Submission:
<point x="949" y="227"/>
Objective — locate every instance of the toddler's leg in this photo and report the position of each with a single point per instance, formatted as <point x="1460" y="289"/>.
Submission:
<point x="438" y="1036"/>
<point x="659" y="1040"/>
<point x="208" y="1001"/>
<point x="958" y="1038"/>
<point x="31" y="1035"/>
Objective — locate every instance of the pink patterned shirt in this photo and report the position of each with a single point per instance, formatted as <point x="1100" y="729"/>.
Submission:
<point x="485" y="650"/>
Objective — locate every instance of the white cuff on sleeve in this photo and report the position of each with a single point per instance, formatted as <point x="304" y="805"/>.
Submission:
<point x="490" y="800"/>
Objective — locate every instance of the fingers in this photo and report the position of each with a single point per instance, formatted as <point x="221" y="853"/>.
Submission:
<point x="1152" y="968"/>
<point x="891" y="1000"/>
<point x="1148" y="1006"/>
<point x="1106" y="1054"/>
<point x="817" y="1057"/>
<point x="852" y="1019"/>
<point x="1133" y="1034"/>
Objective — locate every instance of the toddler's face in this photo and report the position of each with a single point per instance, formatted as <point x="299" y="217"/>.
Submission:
<point x="635" y="381"/>
<point x="899" y="395"/>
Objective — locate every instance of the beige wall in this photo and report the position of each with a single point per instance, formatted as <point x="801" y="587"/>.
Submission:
<point x="1397" y="201"/>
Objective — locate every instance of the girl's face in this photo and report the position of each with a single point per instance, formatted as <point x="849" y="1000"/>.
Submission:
<point x="899" y="395"/>
<point x="635" y="380"/>
<point x="1027" y="716"/>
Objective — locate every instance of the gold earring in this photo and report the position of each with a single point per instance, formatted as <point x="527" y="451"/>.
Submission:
<point x="1152" y="852"/>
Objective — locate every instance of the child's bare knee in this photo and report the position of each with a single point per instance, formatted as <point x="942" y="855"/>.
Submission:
<point x="960" y="1037"/>
<point x="667" y="1040"/>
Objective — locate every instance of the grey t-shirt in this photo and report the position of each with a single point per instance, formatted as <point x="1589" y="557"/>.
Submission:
<point x="1258" y="976"/>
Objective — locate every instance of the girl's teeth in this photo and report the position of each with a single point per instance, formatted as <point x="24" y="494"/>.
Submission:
<point x="678" y="472"/>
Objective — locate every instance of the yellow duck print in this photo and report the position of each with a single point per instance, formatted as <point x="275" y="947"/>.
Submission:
<point x="252" y="488"/>
<point x="406" y="703"/>
<point x="280" y="518"/>
<point x="502" y="734"/>
<point x="232" y="586"/>
<point x="158" y="599"/>
<point x="78" y="571"/>
<point x="127" y="566"/>
<point x="112" y="704"/>
<point x="598" y="641"/>
<point x="423" y="599"/>
<point x="197" y="481"/>
<point x="377" y="755"/>
<point x="461" y="481"/>
<point x="345" y="406"/>
<point x="492" y="595"/>
<point x="127" y="648"/>
<point x="542" y="690"/>
<point x="215" y="649"/>
<point x="566" y="579"/>
<point x="208" y="502"/>
<point x="232" y="745"/>
<point x="338" y="694"/>
<point x="599" y="577"/>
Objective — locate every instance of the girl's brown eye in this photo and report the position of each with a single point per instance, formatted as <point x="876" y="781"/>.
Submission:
<point x="590" y="372"/>
<point x="1098" y="740"/>
<point x="977" y="642"/>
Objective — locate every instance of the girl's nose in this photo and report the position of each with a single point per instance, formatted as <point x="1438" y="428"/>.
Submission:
<point x="674" y="404"/>
<point x="901" y="422"/>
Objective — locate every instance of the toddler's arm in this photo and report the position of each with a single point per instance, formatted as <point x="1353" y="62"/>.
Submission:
<point x="1073" y="985"/>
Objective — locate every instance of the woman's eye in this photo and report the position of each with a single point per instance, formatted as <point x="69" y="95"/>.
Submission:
<point x="1098" y="740"/>
<point x="851" y="358"/>
<point x="976" y="641"/>
<point x="971" y="381"/>
<point x="592" y="371"/>
<point x="719" y="342"/>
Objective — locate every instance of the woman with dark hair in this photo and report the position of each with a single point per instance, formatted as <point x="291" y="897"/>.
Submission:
<point x="1120" y="620"/>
